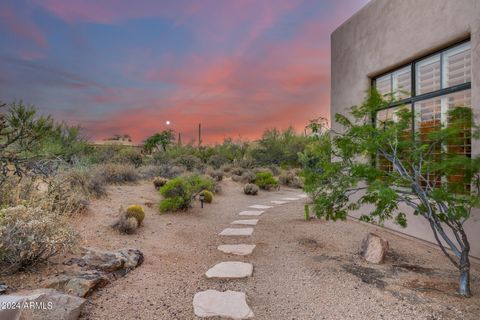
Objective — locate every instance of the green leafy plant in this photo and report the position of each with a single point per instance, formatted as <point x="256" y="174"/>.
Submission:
<point x="159" y="141"/>
<point x="179" y="192"/>
<point x="265" y="181"/>
<point x="386" y="164"/>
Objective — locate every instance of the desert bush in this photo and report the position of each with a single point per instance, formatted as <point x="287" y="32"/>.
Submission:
<point x="250" y="189"/>
<point x="245" y="163"/>
<point x="226" y="168"/>
<point x="136" y="211"/>
<point x="237" y="171"/>
<point x="290" y="178"/>
<point x="217" y="160"/>
<point x="208" y="196"/>
<point x="190" y="162"/>
<point x="276" y="170"/>
<point x="265" y="181"/>
<point x="248" y="177"/>
<point x="262" y="169"/>
<point x="124" y="224"/>
<point x="84" y="180"/>
<point x="178" y="193"/>
<point x="128" y="155"/>
<point x="15" y="191"/>
<point x="159" y="182"/>
<point x="30" y="235"/>
<point x="216" y="175"/>
<point x="115" y="173"/>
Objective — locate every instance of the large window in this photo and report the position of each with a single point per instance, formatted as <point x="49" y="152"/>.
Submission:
<point x="430" y="86"/>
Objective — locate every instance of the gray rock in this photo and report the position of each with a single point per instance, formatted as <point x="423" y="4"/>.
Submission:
<point x="235" y="232"/>
<point x="41" y="304"/>
<point x="80" y="285"/>
<point x="237" y="249"/>
<point x="373" y="248"/>
<point x="230" y="270"/>
<point x="119" y="261"/>
<point x="3" y="288"/>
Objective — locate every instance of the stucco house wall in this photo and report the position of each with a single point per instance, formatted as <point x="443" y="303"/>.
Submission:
<point x="389" y="33"/>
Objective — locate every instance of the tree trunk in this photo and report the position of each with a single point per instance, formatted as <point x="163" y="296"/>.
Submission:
<point x="464" y="285"/>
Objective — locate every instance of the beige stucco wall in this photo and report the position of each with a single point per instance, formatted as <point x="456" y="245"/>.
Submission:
<point x="388" y="33"/>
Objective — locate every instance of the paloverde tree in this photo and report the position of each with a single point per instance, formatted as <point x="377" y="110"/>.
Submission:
<point x="159" y="141"/>
<point x="384" y="163"/>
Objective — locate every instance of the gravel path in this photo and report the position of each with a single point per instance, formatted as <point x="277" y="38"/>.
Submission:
<point x="302" y="270"/>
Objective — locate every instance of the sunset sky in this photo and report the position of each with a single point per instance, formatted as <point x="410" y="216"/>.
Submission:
<point x="126" y="67"/>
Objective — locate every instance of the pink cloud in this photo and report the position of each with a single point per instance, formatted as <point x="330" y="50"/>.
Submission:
<point x="21" y="25"/>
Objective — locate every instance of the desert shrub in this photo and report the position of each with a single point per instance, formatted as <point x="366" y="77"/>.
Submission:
<point x="226" y="167"/>
<point x="217" y="160"/>
<point x="262" y="169"/>
<point x="124" y="224"/>
<point x="128" y="155"/>
<point x="276" y="170"/>
<point x="30" y="235"/>
<point x="14" y="191"/>
<point x="245" y="163"/>
<point x="190" y="162"/>
<point x="164" y="170"/>
<point x="250" y="189"/>
<point x="290" y="178"/>
<point x="248" y="177"/>
<point x="208" y="196"/>
<point x="216" y="175"/>
<point x="237" y="171"/>
<point x="116" y="173"/>
<point x="82" y="178"/>
<point x="178" y="193"/>
<point x="136" y="211"/>
<point x="265" y="181"/>
<point x="159" y="182"/>
<point x="61" y="198"/>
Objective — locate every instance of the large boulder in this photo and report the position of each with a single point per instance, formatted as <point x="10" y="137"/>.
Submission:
<point x="120" y="262"/>
<point x="79" y="285"/>
<point x="374" y="248"/>
<point x="40" y="304"/>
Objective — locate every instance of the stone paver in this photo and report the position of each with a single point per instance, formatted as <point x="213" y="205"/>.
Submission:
<point x="237" y="232"/>
<point x="228" y="304"/>
<point x="278" y="202"/>
<point x="290" y="199"/>
<point x="238" y="249"/>
<point x="302" y="195"/>
<point x="260" y="206"/>
<point x="248" y="222"/>
<point x="251" y="213"/>
<point x="230" y="270"/>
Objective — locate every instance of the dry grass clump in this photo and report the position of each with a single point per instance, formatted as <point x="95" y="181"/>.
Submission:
<point x="216" y="175"/>
<point x="250" y="189"/>
<point x="30" y="235"/>
<point x="164" y="170"/>
<point x="291" y="179"/>
<point x="116" y="173"/>
<point x="126" y="225"/>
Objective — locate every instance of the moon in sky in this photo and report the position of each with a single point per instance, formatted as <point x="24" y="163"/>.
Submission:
<point x="168" y="122"/>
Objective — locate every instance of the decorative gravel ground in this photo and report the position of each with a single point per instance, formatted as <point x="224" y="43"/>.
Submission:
<point x="302" y="270"/>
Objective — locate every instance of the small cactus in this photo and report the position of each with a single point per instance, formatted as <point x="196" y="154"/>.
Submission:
<point x="208" y="196"/>
<point x="136" y="211"/>
<point x="159" y="182"/>
<point x="307" y="212"/>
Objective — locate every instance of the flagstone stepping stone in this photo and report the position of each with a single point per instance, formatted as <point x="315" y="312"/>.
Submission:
<point x="238" y="249"/>
<point x="302" y="196"/>
<point x="227" y="304"/>
<point x="237" y="232"/>
<point x="278" y="202"/>
<point x="260" y="206"/>
<point x="251" y="213"/>
<point x="230" y="270"/>
<point x="248" y="222"/>
<point x="290" y="199"/>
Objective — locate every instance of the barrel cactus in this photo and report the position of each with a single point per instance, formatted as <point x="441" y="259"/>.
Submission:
<point x="136" y="211"/>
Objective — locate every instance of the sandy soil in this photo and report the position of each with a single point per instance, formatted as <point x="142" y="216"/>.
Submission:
<point x="302" y="270"/>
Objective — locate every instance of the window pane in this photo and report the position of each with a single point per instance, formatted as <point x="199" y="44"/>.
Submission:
<point x="402" y="83"/>
<point x="456" y="65"/>
<point x="428" y="75"/>
<point x="384" y="84"/>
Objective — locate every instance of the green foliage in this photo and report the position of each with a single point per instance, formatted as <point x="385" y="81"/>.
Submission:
<point x="279" y="148"/>
<point x="426" y="173"/>
<point x="190" y="162"/>
<point x="208" y="196"/>
<point x="159" y="141"/>
<point x="136" y="211"/>
<point x="265" y="181"/>
<point x="179" y="192"/>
